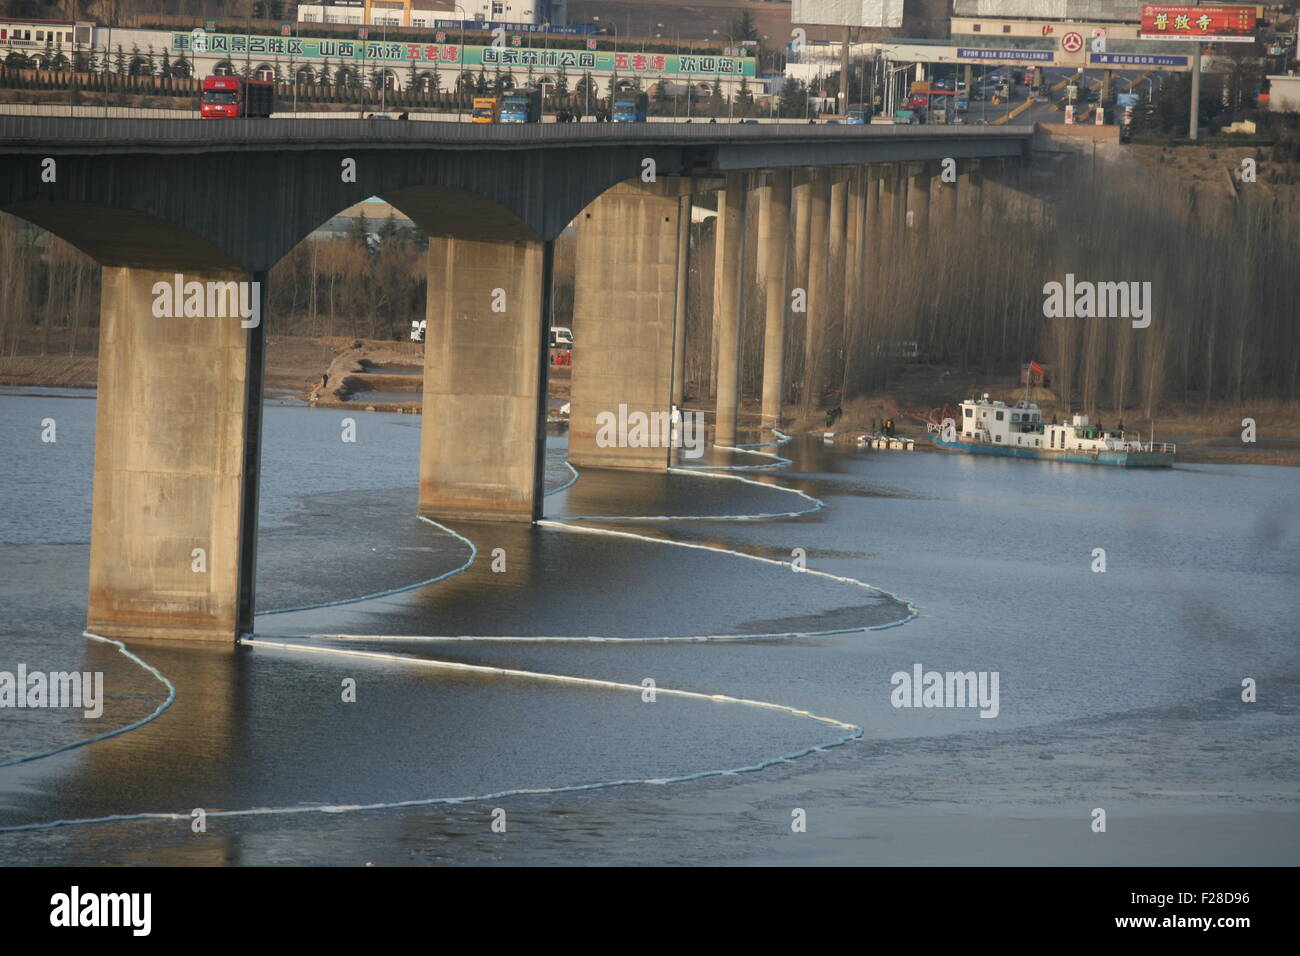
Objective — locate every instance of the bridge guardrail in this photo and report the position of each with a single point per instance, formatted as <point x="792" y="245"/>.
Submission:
<point x="64" y="131"/>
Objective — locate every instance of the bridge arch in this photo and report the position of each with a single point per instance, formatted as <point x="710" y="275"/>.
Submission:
<point x="125" y="237"/>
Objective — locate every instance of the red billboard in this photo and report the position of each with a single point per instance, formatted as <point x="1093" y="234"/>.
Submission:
<point x="1218" y="24"/>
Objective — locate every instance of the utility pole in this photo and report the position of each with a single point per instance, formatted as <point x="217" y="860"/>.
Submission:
<point x="1196" y="90"/>
<point x="844" y="75"/>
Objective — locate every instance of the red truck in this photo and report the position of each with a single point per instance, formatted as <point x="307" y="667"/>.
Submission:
<point x="231" y="96"/>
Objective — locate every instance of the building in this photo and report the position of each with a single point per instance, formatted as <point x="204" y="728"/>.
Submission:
<point x="431" y="13"/>
<point x="1284" y="94"/>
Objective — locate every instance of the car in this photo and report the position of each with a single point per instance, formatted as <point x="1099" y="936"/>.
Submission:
<point x="749" y="121"/>
<point x="1040" y="98"/>
<point x="832" y="122"/>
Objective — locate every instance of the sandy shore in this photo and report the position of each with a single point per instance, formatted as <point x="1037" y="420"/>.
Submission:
<point x="337" y="371"/>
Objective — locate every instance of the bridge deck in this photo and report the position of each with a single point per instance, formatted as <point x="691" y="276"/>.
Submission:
<point x="21" y="133"/>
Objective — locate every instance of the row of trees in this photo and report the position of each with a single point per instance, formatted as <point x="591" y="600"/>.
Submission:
<point x="1222" y="277"/>
<point x="86" y="59"/>
<point x="1224" y="97"/>
<point x="370" y="281"/>
<point x="46" y="288"/>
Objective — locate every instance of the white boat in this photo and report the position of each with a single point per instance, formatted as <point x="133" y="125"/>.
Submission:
<point x="1019" y="431"/>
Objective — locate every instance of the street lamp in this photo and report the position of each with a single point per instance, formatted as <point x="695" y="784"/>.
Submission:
<point x="460" y="57"/>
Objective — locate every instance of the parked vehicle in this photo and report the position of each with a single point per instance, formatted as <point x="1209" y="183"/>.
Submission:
<point x="486" y="109"/>
<point x="561" y="337"/>
<point x="228" y="97"/>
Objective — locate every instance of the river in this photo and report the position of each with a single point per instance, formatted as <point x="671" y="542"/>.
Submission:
<point x="772" y="689"/>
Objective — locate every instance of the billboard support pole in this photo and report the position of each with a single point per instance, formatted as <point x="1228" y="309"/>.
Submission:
<point x="1196" y="93"/>
<point x="1195" y="121"/>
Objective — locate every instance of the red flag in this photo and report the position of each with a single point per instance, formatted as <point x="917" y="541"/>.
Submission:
<point x="1035" y="367"/>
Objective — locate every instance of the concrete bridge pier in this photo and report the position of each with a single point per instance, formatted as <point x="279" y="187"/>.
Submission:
<point x="773" y="245"/>
<point x="625" y="305"/>
<point x="679" y="305"/>
<point x="948" y="201"/>
<point x="837" y="252"/>
<point x="484" y="379"/>
<point x="893" y="208"/>
<point x="177" y="438"/>
<point x="873" y="211"/>
<point x="853" y="244"/>
<point x="728" y="311"/>
<point x="971" y="186"/>
<point x="919" y="176"/>
<point x="816" y="298"/>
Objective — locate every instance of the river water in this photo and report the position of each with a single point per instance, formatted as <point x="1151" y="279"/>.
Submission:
<point x="771" y="688"/>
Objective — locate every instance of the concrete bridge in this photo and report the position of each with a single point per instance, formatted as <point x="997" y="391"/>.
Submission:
<point x="178" y="432"/>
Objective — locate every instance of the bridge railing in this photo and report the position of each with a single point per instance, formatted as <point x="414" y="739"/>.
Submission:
<point x="63" y="130"/>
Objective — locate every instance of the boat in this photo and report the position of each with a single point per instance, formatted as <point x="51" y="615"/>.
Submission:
<point x="886" y="442"/>
<point x="1019" y="431"/>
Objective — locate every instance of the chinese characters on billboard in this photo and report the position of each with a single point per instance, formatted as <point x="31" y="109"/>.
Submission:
<point x="238" y="45"/>
<point x="1209" y="24"/>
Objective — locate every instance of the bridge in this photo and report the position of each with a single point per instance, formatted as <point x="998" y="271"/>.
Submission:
<point x="178" y="433"/>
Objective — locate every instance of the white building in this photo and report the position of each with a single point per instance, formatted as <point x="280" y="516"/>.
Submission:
<point x="423" y="13"/>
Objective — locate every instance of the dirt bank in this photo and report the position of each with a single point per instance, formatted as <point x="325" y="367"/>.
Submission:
<point x="1202" y="434"/>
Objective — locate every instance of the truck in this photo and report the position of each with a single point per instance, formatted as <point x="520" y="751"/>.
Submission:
<point x="906" y="117"/>
<point x="486" y="109"/>
<point x="630" y="107"/>
<point x="859" y="115"/>
<point x="229" y="97"/>
<point x="521" y="106"/>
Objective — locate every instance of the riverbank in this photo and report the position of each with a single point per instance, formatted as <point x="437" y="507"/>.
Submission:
<point x="339" y="371"/>
<point x="1203" y="435"/>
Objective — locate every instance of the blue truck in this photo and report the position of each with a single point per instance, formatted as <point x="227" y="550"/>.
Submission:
<point x="521" y="106"/>
<point x="859" y="115"/>
<point x="630" y="107"/>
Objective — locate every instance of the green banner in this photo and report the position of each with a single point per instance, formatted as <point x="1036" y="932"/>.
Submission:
<point x="454" y="55"/>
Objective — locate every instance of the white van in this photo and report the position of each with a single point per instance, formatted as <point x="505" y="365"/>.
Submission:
<point x="561" y="337"/>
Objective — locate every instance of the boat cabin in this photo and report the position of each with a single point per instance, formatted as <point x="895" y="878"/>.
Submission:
<point x="1022" y="426"/>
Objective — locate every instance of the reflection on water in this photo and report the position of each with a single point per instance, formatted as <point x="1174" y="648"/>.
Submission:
<point x="1199" y="590"/>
